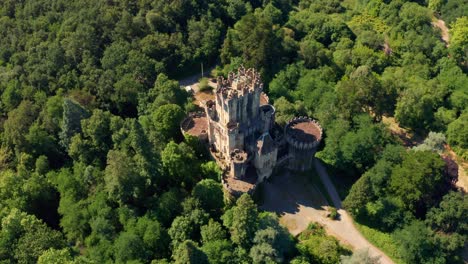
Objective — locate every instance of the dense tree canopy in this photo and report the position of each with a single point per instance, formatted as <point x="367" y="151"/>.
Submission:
<point x="94" y="169"/>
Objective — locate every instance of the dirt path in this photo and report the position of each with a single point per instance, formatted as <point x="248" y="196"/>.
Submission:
<point x="298" y="201"/>
<point x="443" y="30"/>
<point x="344" y="228"/>
<point x="192" y="80"/>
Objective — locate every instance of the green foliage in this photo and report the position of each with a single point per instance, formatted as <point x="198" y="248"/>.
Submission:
<point x="321" y="249"/>
<point x="433" y="142"/>
<point x="210" y="195"/>
<point x="24" y="238"/>
<point x="55" y="256"/>
<point x="333" y="214"/>
<point x="212" y="231"/>
<point x="415" y="243"/>
<point x="203" y="85"/>
<point x="448" y="216"/>
<point x="211" y="170"/>
<point x="188" y="252"/>
<point x="356" y="148"/>
<point x="360" y="257"/>
<point x="416" y="188"/>
<point x="91" y="104"/>
<point x="73" y="113"/>
<point x="178" y="161"/>
<point x="459" y="39"/>
<point x="242" y="221"/>
<point x="457" y="134"/>
<point x="383" y="241"/>
<point x="219" y="251"/>
<point x="253" y="39"/>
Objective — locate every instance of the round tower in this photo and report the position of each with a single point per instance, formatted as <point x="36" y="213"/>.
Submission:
<point x="303" y="135"/>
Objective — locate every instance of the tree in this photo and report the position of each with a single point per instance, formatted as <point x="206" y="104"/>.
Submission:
<point x="92" y="145"/>
<point x="55" y="256"/>
<point x="362" y="92"/>
<point x="253" y="38"/>
<point x="285" y="110"/>
<point x="416" y="188"/>
<point x="448" y="216"/>
<point x="164" y="91"/>
<point x="313" y="53"/>
<point x="415" y="243"/>
<point x="181" y="229"/>
<point x="414" y="108"/>
<point x="165" y="123"/>
<point x="285" y="81"/>
<point x="433" y="142"/>
<point x="128" y="246"/>
<point x="321" y="249"/>
<point x="359" y="195"/>
<point x="125" y="95"/>
<point x="459" y="40"/>
<point x="219" y="251"/>
<point x="457" y="134"/>
<point x="178" y="160"/>
<point x="18" y="123"/>
<point x="123" y="182"/>
<point x="265" y="248"/>
<point x="244" y="221"/>
<point x="211" y="170"/>
<point x="23" y="238"/>
<point x="360" y="257"/>
<point x="210" y="194"/>
<point x="188" y="253"/>
<point x="212" y="231"/>
<point x="10" y="96"/>
<point x="73" y="113"/>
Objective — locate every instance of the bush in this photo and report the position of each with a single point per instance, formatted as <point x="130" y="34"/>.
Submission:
<point x="333" y="213"/>
<point x="204" y="85"/>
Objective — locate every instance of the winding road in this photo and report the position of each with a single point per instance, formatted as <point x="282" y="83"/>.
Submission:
<point x="298" y="202"/>
<point x="344" y="228"/>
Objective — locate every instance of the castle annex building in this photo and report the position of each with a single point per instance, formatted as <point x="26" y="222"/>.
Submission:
<point x="239" y="126"/>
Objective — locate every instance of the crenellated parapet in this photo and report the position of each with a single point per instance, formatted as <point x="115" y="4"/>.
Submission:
<point x="238" y="164"/>
<point x="303" y="133"/>
<point x="239" y="127"/>
<point x="303" y="136"/>
<point x="243" y="80"/>
<point x="210" y="109"/>
<point x="195" y="124"/>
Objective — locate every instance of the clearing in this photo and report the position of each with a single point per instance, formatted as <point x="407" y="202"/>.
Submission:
<point x="444" y="31"/>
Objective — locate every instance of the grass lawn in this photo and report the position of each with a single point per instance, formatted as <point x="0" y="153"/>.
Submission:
<point x="383" y="241"/>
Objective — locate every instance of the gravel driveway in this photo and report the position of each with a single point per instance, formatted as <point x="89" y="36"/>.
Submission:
<point x="298" y="202"/>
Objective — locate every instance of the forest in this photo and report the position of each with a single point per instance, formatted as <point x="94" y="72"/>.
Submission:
<point x="94" y="168"/>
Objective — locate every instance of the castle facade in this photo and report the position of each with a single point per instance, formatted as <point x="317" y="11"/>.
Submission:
<point x="239" y="126"/>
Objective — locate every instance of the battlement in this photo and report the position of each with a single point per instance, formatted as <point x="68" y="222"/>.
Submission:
<point x="195" y="124"/>
<point x="239" y="126"/>
<point x="239" y="83"/>
<point x="303" y="133"/>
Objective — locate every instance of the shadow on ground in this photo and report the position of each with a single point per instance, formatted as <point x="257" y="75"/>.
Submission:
<point x="294" y="197"/>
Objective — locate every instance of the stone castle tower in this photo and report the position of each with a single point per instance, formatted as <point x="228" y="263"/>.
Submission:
<point x="244" y="139"/>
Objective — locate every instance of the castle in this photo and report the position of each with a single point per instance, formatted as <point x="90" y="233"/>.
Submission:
<point x="239" y="126"/>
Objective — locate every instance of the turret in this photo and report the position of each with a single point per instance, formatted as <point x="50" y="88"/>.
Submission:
<point x="238" y="164"/>
<point x="303" y="136"/>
